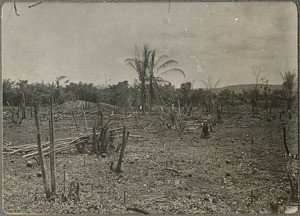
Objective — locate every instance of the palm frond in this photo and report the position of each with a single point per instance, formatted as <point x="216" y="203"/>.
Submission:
<point x="160" y="58"/>
<point x="173" y="70"/>
<point x="166" y="64"/>
<point x="217" y="83"/>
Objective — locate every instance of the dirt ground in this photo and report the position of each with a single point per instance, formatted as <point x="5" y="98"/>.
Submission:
<point x="239" y="168"/>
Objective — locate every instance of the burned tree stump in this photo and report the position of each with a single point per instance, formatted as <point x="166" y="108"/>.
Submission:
<point x="80" y="147"/>
<point x="204" y="130"/>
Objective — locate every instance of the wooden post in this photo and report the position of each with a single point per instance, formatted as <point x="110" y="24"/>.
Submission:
<point x="85" y="122"/>
<point x="94" y="145"/>
<point x="75" y="122"/>
<point x="41" y="156"/>
<point x="52" y="153"/>
<point x="124" y="142"/>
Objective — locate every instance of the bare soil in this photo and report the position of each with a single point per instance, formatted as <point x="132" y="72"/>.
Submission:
<point x="239" y="168"/>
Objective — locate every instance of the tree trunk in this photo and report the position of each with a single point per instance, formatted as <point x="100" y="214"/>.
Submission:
<point x="124" y="142"/>
<point x="52" y="153"/>
<point x="41" y="156"/>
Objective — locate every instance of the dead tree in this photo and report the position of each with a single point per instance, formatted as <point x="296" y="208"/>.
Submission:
<point x="124" y="142"/>
<point x="52" y="153"/>
<point x="41" y="156"/>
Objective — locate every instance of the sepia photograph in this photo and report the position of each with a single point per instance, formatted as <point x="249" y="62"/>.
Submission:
<point x="164" y="107"/>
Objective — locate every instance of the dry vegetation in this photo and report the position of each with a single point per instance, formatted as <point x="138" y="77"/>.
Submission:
<point x="240" y="167"/>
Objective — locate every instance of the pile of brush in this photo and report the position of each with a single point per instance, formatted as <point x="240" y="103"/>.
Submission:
<point x="60" y="145"/>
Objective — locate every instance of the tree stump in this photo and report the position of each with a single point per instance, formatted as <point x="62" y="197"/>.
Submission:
<point x="204" y="130"/>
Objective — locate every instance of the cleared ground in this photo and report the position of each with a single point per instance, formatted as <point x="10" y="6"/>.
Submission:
<point x="240" y="168"/>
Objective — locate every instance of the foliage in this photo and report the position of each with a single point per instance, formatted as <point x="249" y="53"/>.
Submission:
<point x="150" y="74"/>
<point x="224" y="98"/>
<point x="288" y="87"/>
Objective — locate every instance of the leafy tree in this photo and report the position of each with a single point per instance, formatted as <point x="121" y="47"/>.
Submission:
<point x="186" y="93"/>
<point x="8" y="92"/>
<point x="224" y="98"/>
<point x="58" y="88"/>
<point x="198" y="97"/>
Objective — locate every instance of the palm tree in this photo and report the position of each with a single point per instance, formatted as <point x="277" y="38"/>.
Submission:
<point x="140" y="64"/>
<point x="288" y="87"/>
<point x="155" y="72"/>
<point x="150" y="71"/>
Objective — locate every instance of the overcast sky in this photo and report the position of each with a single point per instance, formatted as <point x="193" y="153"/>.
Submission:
<point x="83" y="41"/>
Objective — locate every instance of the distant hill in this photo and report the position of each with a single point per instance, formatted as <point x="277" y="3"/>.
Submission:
<point x="239" y="88"/>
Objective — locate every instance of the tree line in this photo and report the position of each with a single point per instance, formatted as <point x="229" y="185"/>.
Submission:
<point x="150" y="89"/>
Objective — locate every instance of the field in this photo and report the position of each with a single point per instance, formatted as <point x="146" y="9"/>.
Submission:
<point x="239" y="168"/>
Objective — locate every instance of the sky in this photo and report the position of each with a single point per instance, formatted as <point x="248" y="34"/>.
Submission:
<point x="89" y="42"/>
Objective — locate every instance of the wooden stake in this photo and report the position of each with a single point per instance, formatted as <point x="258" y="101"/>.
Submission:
<point x="124" y="196"/>
<point x="85" y="122"/>
<point x="52" y="153"/>
<point x="75" y="122"/>
<point x="41" y="156"/>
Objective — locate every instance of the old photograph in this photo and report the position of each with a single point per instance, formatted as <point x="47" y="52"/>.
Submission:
<point x="150" y="107"/>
